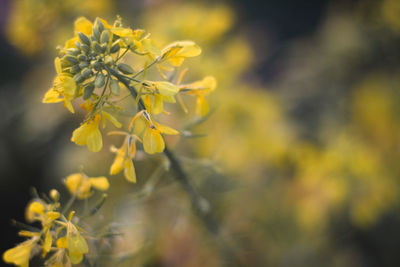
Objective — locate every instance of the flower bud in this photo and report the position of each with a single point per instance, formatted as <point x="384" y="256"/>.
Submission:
<point x="105" y="37"/>
<point x="97" y="47"/>
<point x="115" y="47"/>
<point x="84" y="64"/>
<point x="82" y="57"/>
<point x="124" y="68"/>
<point x="114" y="86"/>
<point x="100" y="80"/>
<point x="84" y="39"/>
<point x="54" y="195"/>
<point x="104" y="48"/>
<point x="71" y="59"/>
<point x="96" y="33"/>
<point x="75" y="69"/>
<point x="85" y="48"/>
<point x="72" y="51"/>
<point x="86" y="73"/>
<point x="97" y="65"/>
<point x="99" y="25"/>
<point x="78" y="45"/>
<point x="78" y="78"/>
<point x="88" y="91"/>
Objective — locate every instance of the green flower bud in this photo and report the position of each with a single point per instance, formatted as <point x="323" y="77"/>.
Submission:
<point x="97" y="47"/>
<point x="124" y="68"/>
<point x="84" y="64"/>
<point x="75" y="69"/>
<point x="84" y="39"/>
<point x="99" y="25"/>
<point x="71" y="59"/>
<point x="82" y="57"/>
<point x="103" y="48"/>
<point x="78" y="45"/>
<point x="114" y="86"/>
<point x="85" y="48"/>
<point x="105" y="37"/>
<point x="86" y="73"/>
<point x="115" y="47"/>
<point x="72" y="51"/>
<point x="78" y="78"/>
<point x="96" y="33"/>
<point x="100" y="80"/>
<point x="88" y="91"/>
<point x="97" y="65"/>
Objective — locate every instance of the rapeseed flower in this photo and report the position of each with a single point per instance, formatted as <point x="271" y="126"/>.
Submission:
<point x="63" y="88"/>
<point x="123" y="158"/>
<point x="89" y="134"/>
<point x="21" y="254"/>
<point x="80" y="185"/>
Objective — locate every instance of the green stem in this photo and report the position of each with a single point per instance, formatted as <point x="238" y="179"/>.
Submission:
<point x="142" y="70"/>
<point x="69" y="204"/>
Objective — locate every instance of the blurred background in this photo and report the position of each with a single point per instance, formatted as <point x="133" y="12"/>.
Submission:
<point x="299" y="157"/>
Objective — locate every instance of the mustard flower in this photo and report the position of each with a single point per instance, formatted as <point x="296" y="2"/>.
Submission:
<point x="89" y="134"/>
<point x="63" y="88"/>
<point x="200" y="89"/>
<point x="20" y="254"/>
<point x="80" y="185"/>
<point x="153" y="141"/>
<point x="176" y="52"/>
<point x="123" y="158"/>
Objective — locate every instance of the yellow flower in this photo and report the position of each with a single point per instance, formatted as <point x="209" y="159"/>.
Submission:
<point x="39" y="211"/>
<point x="159" y="92"/>
<point x="20" y="254"/>
<point x="73" y="242"/>
<point x="63" y="89"/>
<point x="80" y="185"/>
<point x="176" y="52"/>
<point x="76" y="244"/>
<point x="123" y="159"/>
<point x="153" y="141"/>
<point x="89" y="134"/>
<point x="200" y="89"/>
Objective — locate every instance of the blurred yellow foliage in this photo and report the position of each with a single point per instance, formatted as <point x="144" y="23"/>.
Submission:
<point x="33" y="25"/>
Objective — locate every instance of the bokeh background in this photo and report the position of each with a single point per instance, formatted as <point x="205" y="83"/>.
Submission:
<point x="299" y="157"/>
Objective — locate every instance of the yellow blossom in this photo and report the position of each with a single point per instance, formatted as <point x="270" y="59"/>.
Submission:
<point x="176" y="52"/>
<point x="63" y="89"/>
<point x="89" y="134"/>
<point x="123" y="159"/>
<point x="20" y="254"/>
<point x="80" y="185"/>
<point x="76" y="244"/>
<point x="201" y="89"/>
<point x="153" y="141"/>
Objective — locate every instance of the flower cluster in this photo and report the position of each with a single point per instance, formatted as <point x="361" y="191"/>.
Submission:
<point x="90" y="68"/>
<point x="59" y="236"/>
